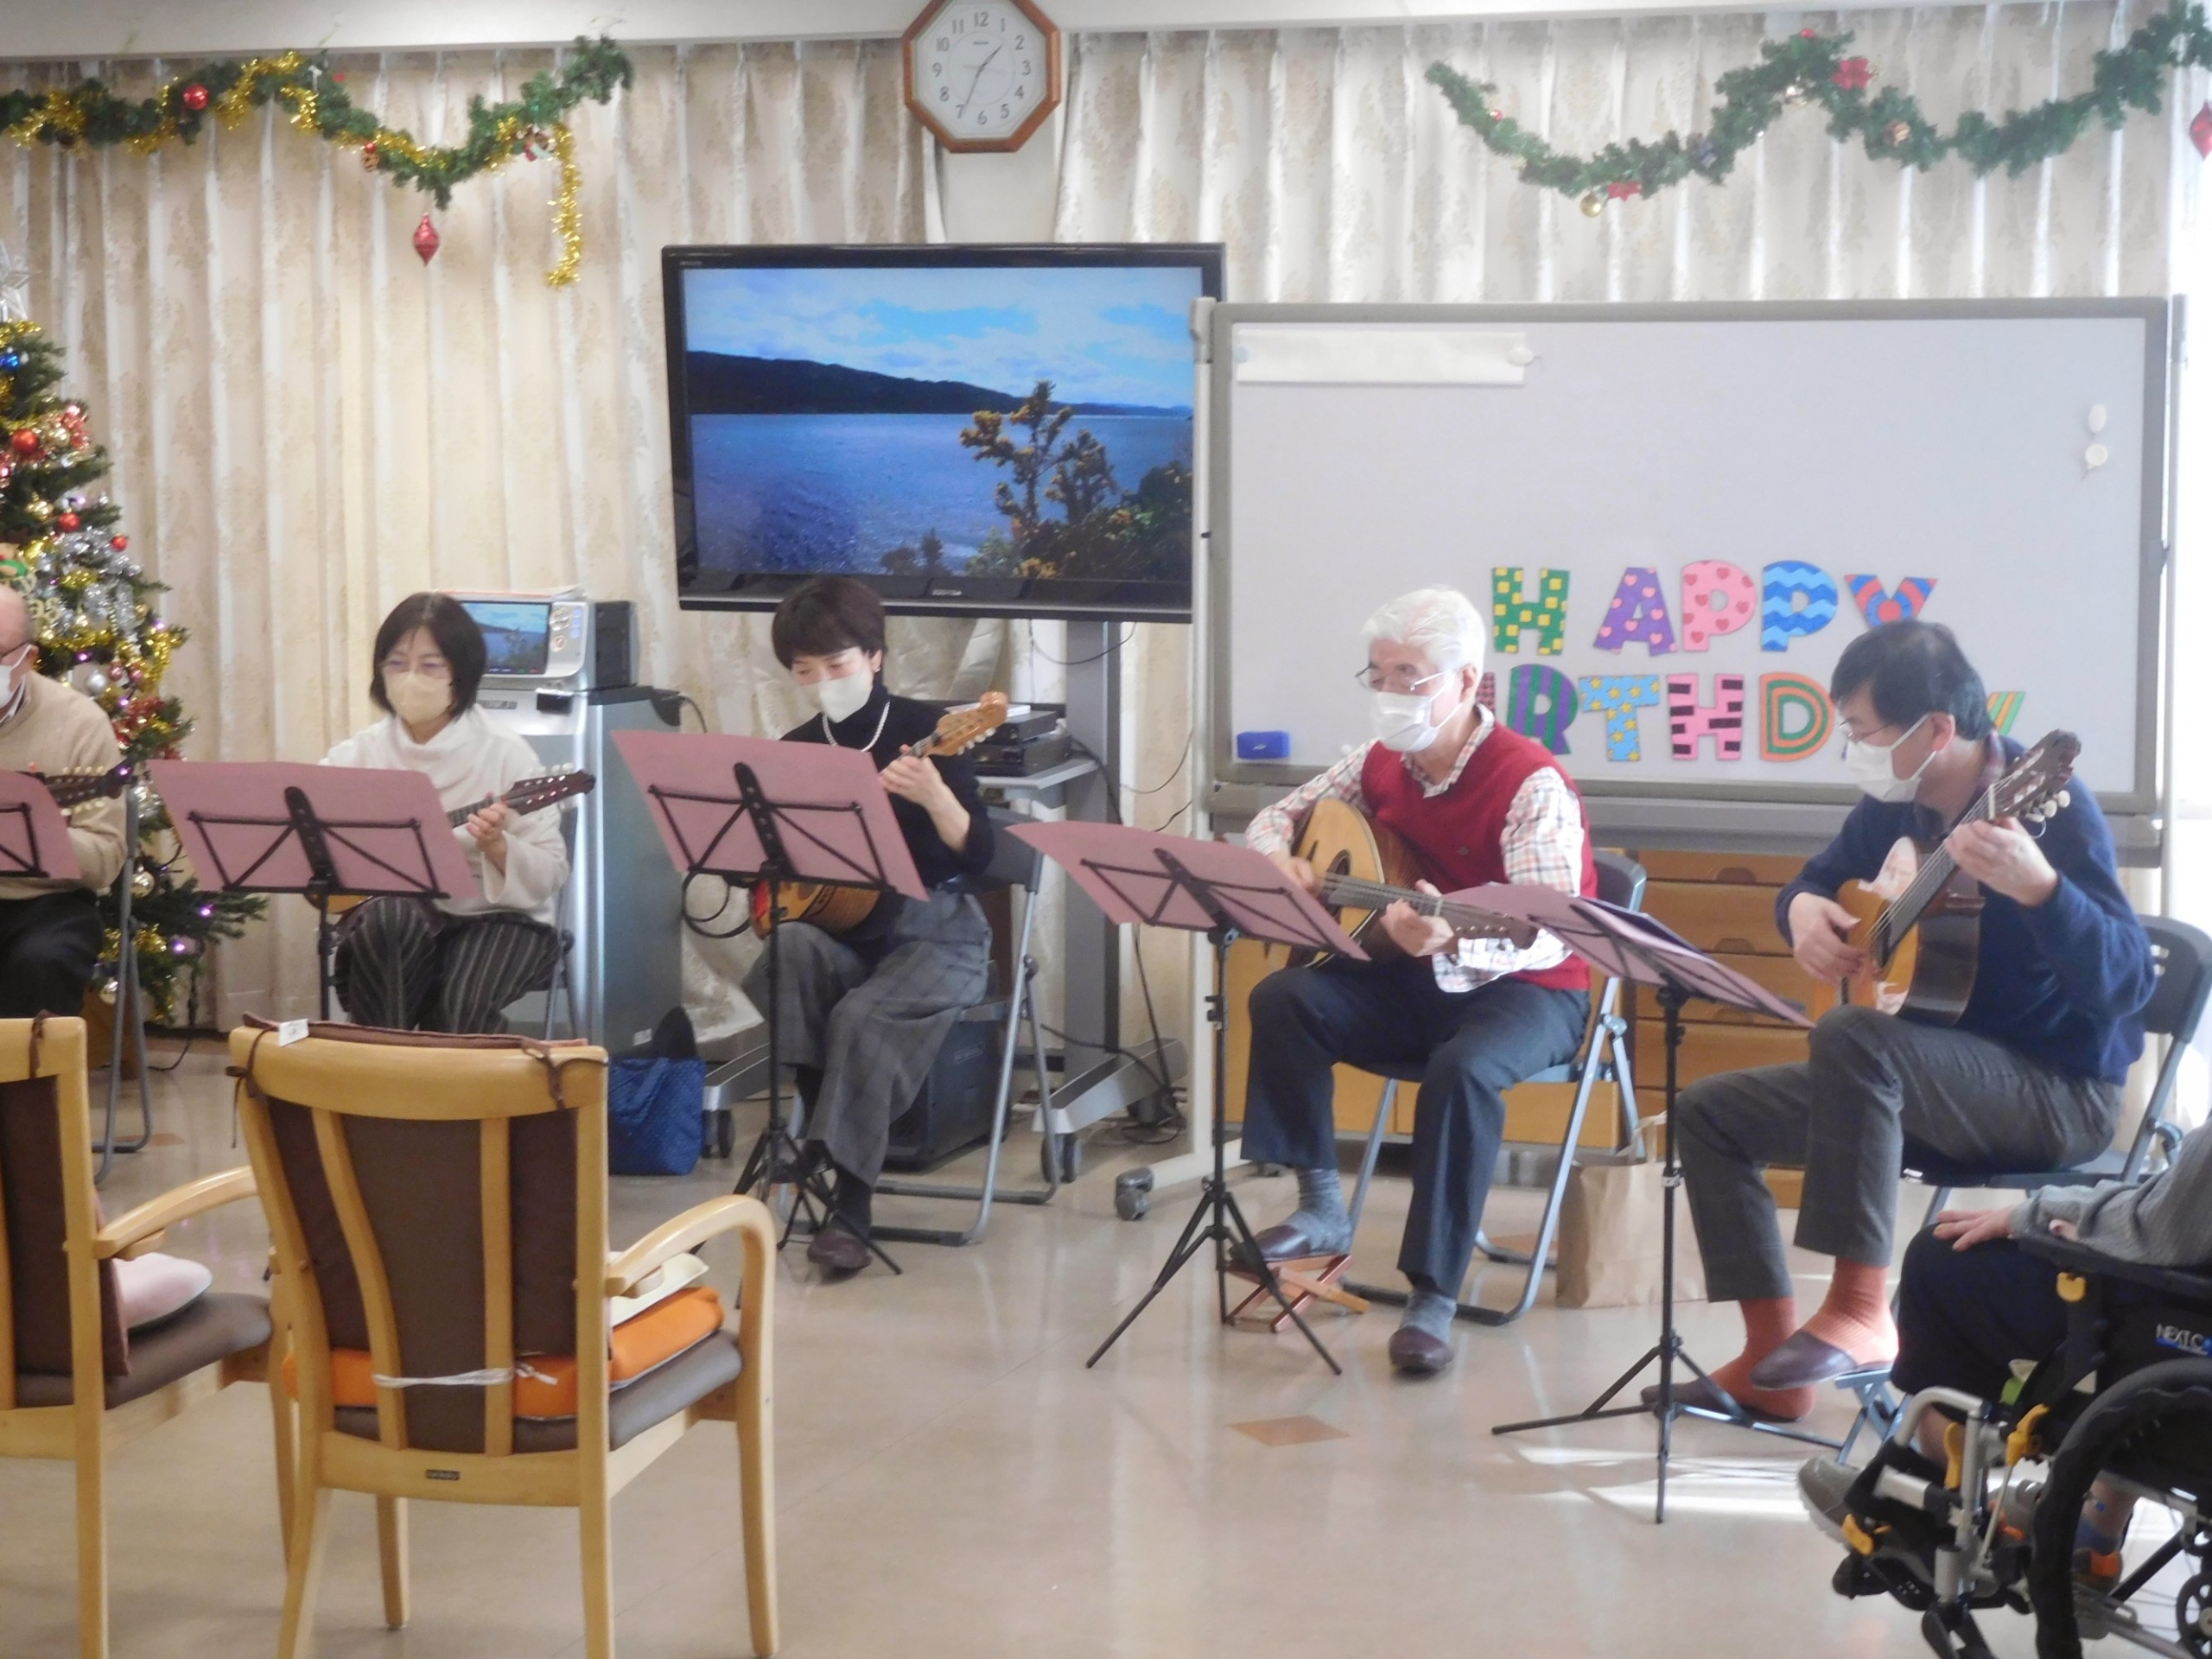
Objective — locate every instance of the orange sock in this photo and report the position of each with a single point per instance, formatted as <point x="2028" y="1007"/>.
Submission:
<point x="1767" y="1321"/>
<point x="1855" y="1316"/>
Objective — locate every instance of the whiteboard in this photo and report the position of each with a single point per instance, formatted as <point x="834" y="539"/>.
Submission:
<point x="1728" y="492"/>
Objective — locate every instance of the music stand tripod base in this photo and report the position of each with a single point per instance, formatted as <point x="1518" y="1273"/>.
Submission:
<point x="1144" y="877"/>
<point x="1631" y="946"/>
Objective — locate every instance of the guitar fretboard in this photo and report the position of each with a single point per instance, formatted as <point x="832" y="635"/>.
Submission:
<point x="1903" y="913"/>
<point x="1466" y="919"/>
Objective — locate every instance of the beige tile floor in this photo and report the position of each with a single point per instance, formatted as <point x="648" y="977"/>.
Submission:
<point x="952" y="1482"/>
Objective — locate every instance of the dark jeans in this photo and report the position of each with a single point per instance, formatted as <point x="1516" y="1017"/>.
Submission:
<point x="1471" y="1046"/>
<point x="1872" y="1080"/>
<point x="48" y="948"/>
<point x="1964" y="1316"/>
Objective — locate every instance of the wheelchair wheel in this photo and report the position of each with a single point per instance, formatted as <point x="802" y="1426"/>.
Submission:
<point x="2137" y="1426"/>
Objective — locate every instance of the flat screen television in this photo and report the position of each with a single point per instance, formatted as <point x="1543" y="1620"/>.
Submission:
<point x="981" y="430"/>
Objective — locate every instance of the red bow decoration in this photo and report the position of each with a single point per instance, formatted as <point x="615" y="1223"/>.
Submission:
<point x="1853" y="74"/>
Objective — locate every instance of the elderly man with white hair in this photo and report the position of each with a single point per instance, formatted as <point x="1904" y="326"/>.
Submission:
<point x="1476" y="804"/>
<point x="50" y="931"/>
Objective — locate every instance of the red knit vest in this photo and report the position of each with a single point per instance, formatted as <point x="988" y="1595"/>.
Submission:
<point x="1455" y="836"/>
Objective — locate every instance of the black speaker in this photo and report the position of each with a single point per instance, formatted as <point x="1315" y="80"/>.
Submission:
<point x="612" y="629"/>
<point x="953" y="1111"/>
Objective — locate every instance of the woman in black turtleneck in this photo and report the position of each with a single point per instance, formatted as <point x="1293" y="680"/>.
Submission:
<point x="863" y="1015"/>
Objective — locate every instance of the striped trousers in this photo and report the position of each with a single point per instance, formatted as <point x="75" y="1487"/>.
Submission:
<point x="405" y="965"/>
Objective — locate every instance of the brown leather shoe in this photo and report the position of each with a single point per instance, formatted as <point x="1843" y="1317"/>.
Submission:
<point x="1416" y="1353"/>
<point x="837" y="1249"/>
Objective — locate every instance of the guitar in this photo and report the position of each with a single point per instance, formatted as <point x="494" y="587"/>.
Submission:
<point x="839" y="910"/>
<point x="1920" y="923"/>
<point x="76" y="788"/>
<point x="1363" y="869"/>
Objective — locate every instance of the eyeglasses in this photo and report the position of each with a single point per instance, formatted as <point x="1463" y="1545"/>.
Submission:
<point x="1395" y="680"/>
<point x="430" y="668"/>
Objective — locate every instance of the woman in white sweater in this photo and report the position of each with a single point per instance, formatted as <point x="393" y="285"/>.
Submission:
<point x="450" y="964"/>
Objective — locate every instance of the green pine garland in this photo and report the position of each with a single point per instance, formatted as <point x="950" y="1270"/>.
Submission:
<point x="88" y="112"/>
<point x="1811" y="68"/>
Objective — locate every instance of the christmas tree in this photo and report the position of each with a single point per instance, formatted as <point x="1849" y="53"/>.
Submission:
<point x="92" y="607"/>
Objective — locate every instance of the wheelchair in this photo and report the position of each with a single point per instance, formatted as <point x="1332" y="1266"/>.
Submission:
<point x="2127" y="1400"/>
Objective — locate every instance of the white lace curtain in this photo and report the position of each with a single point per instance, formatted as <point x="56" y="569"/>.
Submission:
<point x="307" y="424"/>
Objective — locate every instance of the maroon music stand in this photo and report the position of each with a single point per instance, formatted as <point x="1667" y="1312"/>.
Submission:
<point x="1635" y="947"/>
<point x="1227" y="893"/>
<point x="34" y="835"/>
<point x="284" y="826"/>
<point x="753" y="810"/>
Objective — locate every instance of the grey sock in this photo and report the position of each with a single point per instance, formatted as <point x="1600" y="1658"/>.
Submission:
<point x="1320" y="1215"/>
<point x="1430" y="1311"/>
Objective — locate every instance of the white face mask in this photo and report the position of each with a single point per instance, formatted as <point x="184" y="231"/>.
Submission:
<point x="840" y="699"/>
<point x="417" y="698"/>
<point x="13" y="677"/>
<point x="1870" y="766"/>
<point x="1400" y="720"/>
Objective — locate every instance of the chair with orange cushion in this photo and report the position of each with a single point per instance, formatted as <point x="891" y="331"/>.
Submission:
<point x="438" y="1207"/>
<point x="74" y="1386"/>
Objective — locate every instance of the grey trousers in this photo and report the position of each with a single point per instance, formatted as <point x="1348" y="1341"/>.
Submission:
<point x="1873" y="1080"/>
<point x="870" y="1017"/>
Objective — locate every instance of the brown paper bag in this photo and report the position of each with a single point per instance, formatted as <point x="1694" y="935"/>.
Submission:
<point x="1612" y="1233"/>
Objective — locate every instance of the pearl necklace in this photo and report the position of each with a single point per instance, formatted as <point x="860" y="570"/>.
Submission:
<point x="830" y="731"/>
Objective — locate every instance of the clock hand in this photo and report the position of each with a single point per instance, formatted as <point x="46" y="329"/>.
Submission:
<point x="978" y="76"/>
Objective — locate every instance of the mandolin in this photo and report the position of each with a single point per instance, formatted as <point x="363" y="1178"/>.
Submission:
<point x="531" y="795"/>
<point x="1363" y="869"/>
<point x="75" y="788"/>
<point x="839" y="910"/>
<point x="1920" y="921"/>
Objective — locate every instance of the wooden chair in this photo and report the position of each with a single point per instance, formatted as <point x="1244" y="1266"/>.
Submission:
<point x="72" y="1386"/>
<point x="438" y="1205"/>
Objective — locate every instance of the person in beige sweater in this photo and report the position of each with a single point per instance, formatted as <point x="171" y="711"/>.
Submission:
<point x="50" y="930"/>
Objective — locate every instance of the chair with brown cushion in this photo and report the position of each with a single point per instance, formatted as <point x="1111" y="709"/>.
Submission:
<point x="438" y="1207"/>
<point x="73" y="1385"/>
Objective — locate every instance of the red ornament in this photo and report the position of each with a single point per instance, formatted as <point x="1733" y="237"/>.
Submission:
<point x="1853" y="74"/>
<point x="121" y="543"/>
<point x="1808" y="34"/>
<point x="1622" y="189"/>
<point x="2200" y="130"/>
<point x="426" y="239"/>
<point x="66" y="521"/>
<point x="195" y="97"/>
<point x="369" y="154"/>
<point x="25" y="442"/>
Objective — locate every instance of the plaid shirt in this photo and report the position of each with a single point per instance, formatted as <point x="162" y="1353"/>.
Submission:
<point x="1542" y="843"/>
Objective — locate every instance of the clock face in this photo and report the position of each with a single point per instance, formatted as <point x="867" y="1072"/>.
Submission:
<point x="981" y="69"/>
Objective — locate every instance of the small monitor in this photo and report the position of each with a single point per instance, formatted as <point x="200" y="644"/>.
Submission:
<point x="517" y="635"/>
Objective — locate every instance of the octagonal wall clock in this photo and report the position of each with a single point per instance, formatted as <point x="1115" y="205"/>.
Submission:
<point x="982" y="75"/>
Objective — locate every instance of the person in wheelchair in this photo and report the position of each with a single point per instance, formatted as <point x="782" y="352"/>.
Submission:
<point x="2058" y="1320"/>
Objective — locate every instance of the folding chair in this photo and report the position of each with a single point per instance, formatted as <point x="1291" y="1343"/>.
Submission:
<point x="1604" y="1057"/>
<point x="72" y="1387"/>
<point x="1014" y="864"/>
<point x="2183" y="955"/>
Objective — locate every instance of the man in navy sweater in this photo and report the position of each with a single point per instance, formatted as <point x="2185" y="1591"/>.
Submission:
<point x="2029" y="1077"/>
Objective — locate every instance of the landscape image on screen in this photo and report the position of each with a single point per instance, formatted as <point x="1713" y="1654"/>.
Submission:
<point x="993" y="421"/>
